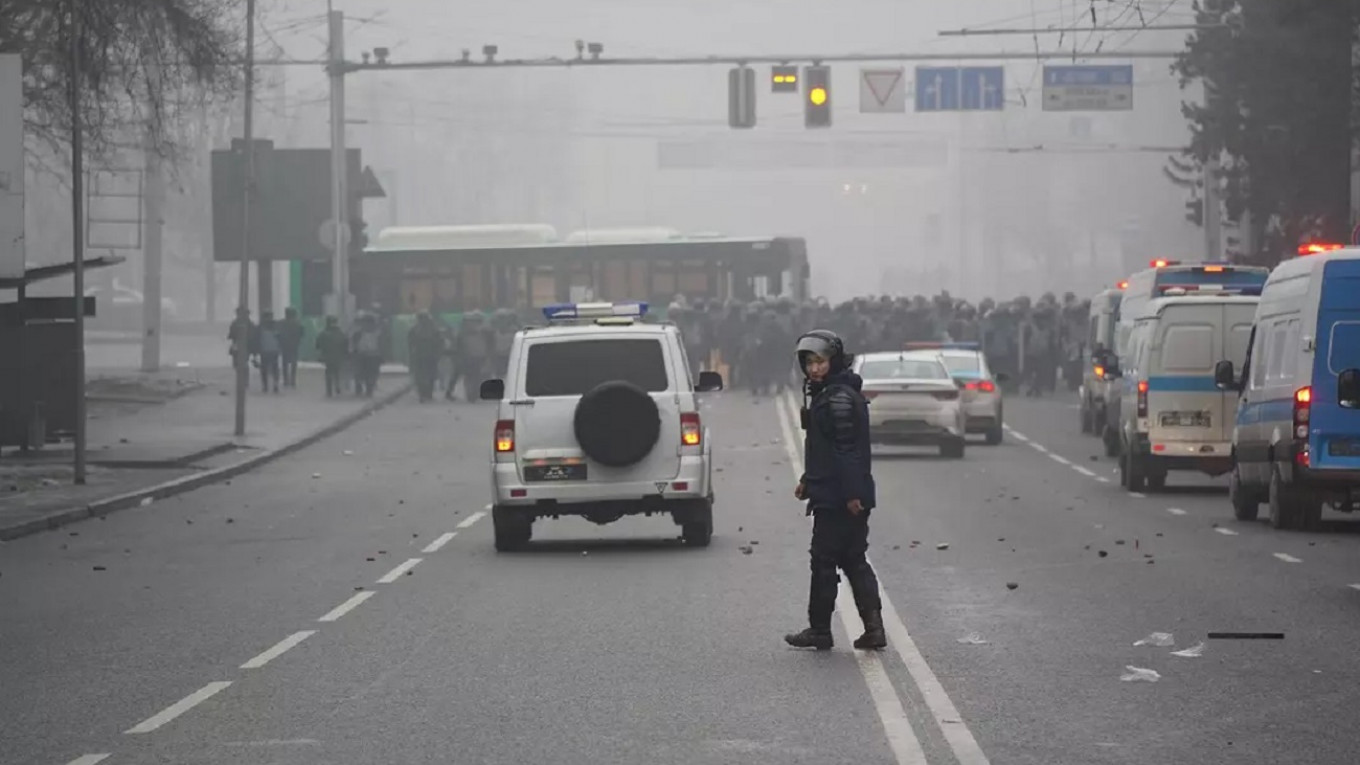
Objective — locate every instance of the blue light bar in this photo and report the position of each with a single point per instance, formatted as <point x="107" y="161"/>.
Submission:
<point x="940" y="346"/>
<point x="569" y="311"/>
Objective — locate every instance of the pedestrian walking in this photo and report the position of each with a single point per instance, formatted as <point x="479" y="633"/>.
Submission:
<point x="838" y="487"/>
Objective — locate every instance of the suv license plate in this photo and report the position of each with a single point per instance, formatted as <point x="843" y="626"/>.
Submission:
<point x="555" y="473"/>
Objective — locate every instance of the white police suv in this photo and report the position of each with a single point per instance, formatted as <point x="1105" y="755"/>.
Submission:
<point x="598" y="417"/>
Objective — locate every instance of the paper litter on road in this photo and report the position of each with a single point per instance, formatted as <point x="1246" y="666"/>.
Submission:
<point x="972" y="638"/>
<point x="1193" y="652"/>
<point x="1138" y="674"/>
<point x="1159" y="639"/>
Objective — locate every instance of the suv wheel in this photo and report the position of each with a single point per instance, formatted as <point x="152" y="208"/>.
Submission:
<point x="697" y="526"/>
<point x="513" y="529"/>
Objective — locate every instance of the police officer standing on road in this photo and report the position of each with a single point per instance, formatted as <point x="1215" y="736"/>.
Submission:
<point x="838" y="486"/>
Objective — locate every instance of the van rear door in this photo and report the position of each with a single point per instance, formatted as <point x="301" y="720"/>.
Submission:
<point x="1183" y="403"/>
<point x="1237" y="322"/>
<point x="1334" y="441"/>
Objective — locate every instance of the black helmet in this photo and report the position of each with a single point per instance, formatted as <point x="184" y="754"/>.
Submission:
<point x="824" y="343"/>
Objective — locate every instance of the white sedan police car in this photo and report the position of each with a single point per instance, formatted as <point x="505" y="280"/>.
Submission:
<point x="982" y="399"/>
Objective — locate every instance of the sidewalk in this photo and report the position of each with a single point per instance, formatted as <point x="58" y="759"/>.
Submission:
<point x="154" y="436"/>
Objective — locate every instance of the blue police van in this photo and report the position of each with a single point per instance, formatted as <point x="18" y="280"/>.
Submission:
<point x="1296" y="440"/>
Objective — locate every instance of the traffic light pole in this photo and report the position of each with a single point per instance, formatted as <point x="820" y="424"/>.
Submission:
<point x="554" y="62"/>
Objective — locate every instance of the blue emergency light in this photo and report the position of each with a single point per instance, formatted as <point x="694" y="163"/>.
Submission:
<point x="569" y="311"/>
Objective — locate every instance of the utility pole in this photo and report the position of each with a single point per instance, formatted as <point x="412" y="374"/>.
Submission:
<point x="78" y="238"/>
<point x="339" y="168"/>
<point x="152" y="245"/>
<point x="243" y="299"/>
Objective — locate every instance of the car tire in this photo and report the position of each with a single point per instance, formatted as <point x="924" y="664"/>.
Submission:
<point x="953" y="450"/>
<point x="697" y="529"/>
<point x="617" y="424"/>
<point x="513" y="529"/>
<point x="996" y="435"/>
<point x="1246" y="505"/>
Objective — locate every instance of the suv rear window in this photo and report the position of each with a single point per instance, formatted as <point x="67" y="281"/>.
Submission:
<point x="574" y="367"/>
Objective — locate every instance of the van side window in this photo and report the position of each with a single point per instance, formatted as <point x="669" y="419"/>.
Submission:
<point x="1093" y="332"/>
<point x="1289" y="350"/>
<point x="1275" y="352"/>
<point x="1257" y="358"/>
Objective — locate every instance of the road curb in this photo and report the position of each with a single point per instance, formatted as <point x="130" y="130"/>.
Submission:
<point x="188" y="483"/>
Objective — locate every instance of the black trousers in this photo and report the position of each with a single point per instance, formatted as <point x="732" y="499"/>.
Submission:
<point x="840" y="541"/>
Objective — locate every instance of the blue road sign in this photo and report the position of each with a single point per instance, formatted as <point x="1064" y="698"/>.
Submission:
<point x="954" y="88"/>
<point x="1088" y="88"/>
<point x="937" y="88"/>
<point x="983" y="88"/>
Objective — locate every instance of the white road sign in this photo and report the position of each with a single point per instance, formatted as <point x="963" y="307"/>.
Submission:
<point x="1088" y="88"/>
<point x="326" y="234"/>
<point x="11" y="167"/>
<point x="882" y="91"/>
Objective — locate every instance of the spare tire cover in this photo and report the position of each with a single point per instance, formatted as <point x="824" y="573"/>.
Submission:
<point x="617" y="423"/>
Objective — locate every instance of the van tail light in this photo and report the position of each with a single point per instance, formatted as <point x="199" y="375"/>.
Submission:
<point x="1303" y="409"/>
<point x="505" y="436"/>
<point x="1142" y="398"/>
<point x="1100" y="371"/>
<point x="691" y="429"/>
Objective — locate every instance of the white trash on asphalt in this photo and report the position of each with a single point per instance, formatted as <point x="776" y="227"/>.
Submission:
<point x="1139" y="675"/>
<point x="1193" y="652"/>
<point x="1159" y="639"/>
<point x="972" y="638"/>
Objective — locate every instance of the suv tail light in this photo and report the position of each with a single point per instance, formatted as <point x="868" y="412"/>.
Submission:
<point x="1142" y="398"/>
<point x="691" y="429"/>
<point x="1303" y="408"/>
<point x="505" y="436"/>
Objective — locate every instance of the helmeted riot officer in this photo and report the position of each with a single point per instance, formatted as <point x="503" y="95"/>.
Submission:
<point x="838" y="486"/>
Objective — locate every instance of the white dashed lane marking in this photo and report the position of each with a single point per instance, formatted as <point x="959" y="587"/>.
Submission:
<point x="1287" y="558"/>
<point x="278" y="650"/>
<point x="89" y="759"/>
<point x="1225" y="532"/>
<point x="1175" y="511"/>
<point x="439" y="542"/>
<point x="1083" y="471"/>
<point x="471" y="519"/>
<point x="1058" y="458"/>
<point x="395" y="574"/>
<point x="347" y="606"/>
<point x="1137" y="495"/>
<point x="180" y="707"/>
<point x="1354" y="586"/>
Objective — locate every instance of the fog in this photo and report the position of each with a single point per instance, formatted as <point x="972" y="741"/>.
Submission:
<point x="982" y="204"/>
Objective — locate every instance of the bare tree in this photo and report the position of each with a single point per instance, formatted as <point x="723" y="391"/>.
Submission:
<point x="145" y="64"/>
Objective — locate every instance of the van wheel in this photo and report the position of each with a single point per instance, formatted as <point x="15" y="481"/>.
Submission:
<point x="1112" y="446"/>
<point x="697" y="530"/>
<point x="1282" y="504"/>
<point x="1131" y="472"/>
<point x="513" y="529"/>
<point x="1246" y="505"/>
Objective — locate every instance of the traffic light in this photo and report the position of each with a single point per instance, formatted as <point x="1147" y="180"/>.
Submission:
<point x="783" y="79"/>
<point x="358" y="235"/>
<point x="817" y="96"/>
<point x="741" y="97"/>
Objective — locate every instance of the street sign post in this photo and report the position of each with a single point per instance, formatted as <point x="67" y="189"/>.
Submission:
<point x="741" y="97"/>
<point x="11" y="167"/>
<point x="1088" y="88"/>
<point x="954" y="88"/>
<point x="883" y="91"/>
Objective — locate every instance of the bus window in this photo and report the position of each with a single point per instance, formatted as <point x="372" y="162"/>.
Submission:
<point x="694" y="279"/>
<point x="614" y="280"/>
<point x="473" y="298"/>
<point x="663" y="280"/>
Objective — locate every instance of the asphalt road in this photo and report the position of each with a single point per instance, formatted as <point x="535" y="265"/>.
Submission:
<point x="318" y="611"/>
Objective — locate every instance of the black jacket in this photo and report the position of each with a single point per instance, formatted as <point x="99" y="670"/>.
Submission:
<point x="837" y="464"/>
